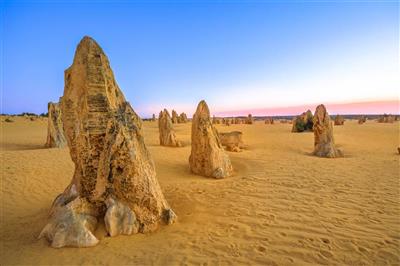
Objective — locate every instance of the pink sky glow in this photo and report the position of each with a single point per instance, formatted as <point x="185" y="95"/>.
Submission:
<point x="368" y="107"/>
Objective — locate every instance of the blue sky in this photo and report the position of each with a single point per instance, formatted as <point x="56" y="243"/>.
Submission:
<point x="236" y="56"/>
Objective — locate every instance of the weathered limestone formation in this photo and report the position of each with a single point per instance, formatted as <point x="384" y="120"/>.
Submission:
<point x="339" y="120"/>
<point x="182" y="118"/>
<point x="269" y="120"/>
<point x="215" y="120"/>
<point x="232" y="141"/>
<point x="166" y="130"/>
<point x="174" y="117"/>
<point x="303" y="122"/>
<point x="114" y="178"/>
<point x="362" y="120"/>
<point x="207" y="156"/>
<point x="250" y="120"/>
<point x="324" y="145"/>
<point x="386" y="119"/>
<point x="55" y="131"/>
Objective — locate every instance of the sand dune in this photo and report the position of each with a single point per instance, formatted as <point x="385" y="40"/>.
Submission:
<point x="282" y="206"/>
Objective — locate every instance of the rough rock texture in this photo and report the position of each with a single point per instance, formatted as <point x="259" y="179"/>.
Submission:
<point x="207" y="157"/>
<point x="174" y="117"/>
<point x="339" y="120"/>
<point x="386" y="119"/>
<point x="324" y="145"/>
<point x="182" y="118"/>
<point x="249" y="119"/>
<point x="303" y="122"/>
<point x="362" y="119"/>
<point x="232" y="141"/>
<point x="166" y="130"/>
<point x="55" y="131"/>
<point x="114" y="177"/>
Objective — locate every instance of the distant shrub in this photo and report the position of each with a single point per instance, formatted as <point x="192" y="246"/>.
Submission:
<point x="27" y="114"/>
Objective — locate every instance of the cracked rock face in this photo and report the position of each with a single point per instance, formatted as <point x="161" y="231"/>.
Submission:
<point x="114" y="179"/>
<point x="207" y="157"/>
<point x="324" y="145"/>
<point x="166" y="130"/>
<point x="55" y="131"/>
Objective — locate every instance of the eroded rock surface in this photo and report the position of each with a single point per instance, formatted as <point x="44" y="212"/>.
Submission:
<point x="303" y="122"/>
<point x="232" y="141"/>
<point x="207" y="157"/>
<point x="324" y="145"/>
<point x="269" y="120"/>
<point x="55" y="131"/>
<point x="182" y="118"/>
<point x="339" y="120"/>
<point x="249" y="120"/>
<point x="362" y="120"/>
<point x="166" y="130"/>
<point x="386" y="119"/>
<point x="174" y="117"/>
<point x="114" y="176"/>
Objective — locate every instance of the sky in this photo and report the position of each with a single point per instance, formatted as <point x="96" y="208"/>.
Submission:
<point x="272" y="57"/>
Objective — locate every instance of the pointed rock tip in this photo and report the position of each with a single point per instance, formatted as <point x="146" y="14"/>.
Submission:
<point x="88" y="41"/>
<point x="203" y="108"/>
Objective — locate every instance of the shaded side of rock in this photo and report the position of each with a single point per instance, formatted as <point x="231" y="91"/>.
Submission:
<point x="303" y="122"/>
<point x="55" y="131"/>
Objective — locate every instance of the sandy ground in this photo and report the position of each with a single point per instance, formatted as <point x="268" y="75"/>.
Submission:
<point x="281" y="207"/>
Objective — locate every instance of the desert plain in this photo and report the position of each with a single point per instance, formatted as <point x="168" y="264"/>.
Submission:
<point x="282" y="206"/>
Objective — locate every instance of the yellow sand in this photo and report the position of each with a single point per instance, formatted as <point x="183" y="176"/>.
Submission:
<point x="282" y="207"/>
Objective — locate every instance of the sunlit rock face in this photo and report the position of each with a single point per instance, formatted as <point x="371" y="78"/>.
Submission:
<point x="166" y="130"/>
<point x="207" y="157"/>
<point x="115" y="178"/>
<point x="324" y="144"/>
